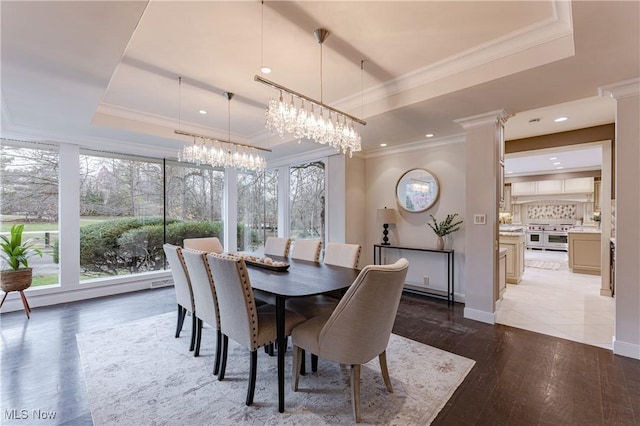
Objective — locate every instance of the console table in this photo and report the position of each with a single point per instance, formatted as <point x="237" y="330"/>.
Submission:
<point x="377" y="259"/>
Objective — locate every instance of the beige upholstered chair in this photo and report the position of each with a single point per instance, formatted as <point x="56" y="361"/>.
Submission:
<point x="277" y="246"/>
<point x="339" y="254"/>
<point x="253" y="327"/>
<point x="182" y="286"/>
<point x="204" y="299"/>
<point x="208" y="244"/>
<point x="358" y="329"/>
<point x="306" y="250"/>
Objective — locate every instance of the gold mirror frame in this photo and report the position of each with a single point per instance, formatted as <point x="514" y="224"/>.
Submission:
<point x="417" y="190"/>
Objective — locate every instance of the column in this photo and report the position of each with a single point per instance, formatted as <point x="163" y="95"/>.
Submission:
<point x="626" y="340"/>
<point x="484" y="148"/>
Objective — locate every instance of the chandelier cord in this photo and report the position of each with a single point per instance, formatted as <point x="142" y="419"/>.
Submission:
<point x="179" y="102"/>
<point x="321" y="94"/>
<point x="262" y="34"/>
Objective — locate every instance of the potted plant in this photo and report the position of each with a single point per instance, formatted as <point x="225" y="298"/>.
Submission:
<point x="16" y="273"/>
<point x="445" y="227"/>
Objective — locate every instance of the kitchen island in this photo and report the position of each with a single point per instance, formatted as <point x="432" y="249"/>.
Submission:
<point x="584" y="251"/>
<point x="514" y="243"/>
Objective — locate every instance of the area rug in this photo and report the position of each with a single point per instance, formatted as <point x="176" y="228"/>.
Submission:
<point x="139" y="374"/>
<point x="540" y="264"/>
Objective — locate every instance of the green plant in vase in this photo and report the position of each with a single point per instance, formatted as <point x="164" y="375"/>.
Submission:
<point x="16" y="274"/>
<point x="443" y="228"/>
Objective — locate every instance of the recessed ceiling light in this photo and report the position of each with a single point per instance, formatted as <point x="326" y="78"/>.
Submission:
<point x="553" y="158"/>
<point x="429" y="135"/>
<point x="383" y="144"/>
<point x="559" y="119"/>
<point x="557" y="163"/>
<point x="509" y="173"/>
<point x="534" y="121"/>
<point x="203" y="112"/>
<point x="559" y="167"/>
<point x="265" y="69"/>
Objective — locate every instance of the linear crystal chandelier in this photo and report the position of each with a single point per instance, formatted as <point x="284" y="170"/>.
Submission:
<point x="216" y="153"/>
<point x="302" y="116"/>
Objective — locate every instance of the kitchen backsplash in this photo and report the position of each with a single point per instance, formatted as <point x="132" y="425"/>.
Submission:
<point x="551" y="211"/>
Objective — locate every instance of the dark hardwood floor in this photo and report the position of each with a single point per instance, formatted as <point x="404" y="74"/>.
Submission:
<point x="520" y="377"/>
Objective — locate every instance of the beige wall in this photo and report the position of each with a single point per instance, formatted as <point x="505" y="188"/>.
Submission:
<point x="446" y="160"/>
<point x="355" y="183"/>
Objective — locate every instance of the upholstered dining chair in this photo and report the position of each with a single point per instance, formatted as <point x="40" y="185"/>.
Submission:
<point x="252" y="327"/>
<point x="306" y="250"/>
<point x="204" y="299"/>
<point x="340" y="254"/>
<point x="358" y="329"/>
<point x="275" y="246"/>
<point x="182" y="286"/>
<point x="208" y="244"/>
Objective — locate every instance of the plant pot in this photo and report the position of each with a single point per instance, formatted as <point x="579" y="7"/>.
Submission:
<point x="439" y="243"/>
<point x="15" y="280"/>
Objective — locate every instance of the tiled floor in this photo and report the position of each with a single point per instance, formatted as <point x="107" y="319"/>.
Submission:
<point x="559" y="303"/>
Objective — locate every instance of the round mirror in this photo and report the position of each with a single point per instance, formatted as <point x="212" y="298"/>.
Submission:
<point x="417" y="190"/>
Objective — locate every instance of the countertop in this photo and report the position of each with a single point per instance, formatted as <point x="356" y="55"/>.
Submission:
<point x="510" y="234"/>
<point x="585" y="229"/>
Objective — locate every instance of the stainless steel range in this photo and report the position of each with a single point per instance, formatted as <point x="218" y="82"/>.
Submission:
<point x="545" y="236"/>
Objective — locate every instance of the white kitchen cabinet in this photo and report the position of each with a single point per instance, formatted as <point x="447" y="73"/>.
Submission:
<point x="549" y="186"/>
<point x="597" y="196"/>
<point x="506" y="207"/>
<point x="553" y="186"/>
<point x="578" y="185"/>
<point x="524" y="188"/>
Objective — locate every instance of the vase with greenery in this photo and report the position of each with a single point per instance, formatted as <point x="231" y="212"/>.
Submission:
<point x="444" y="228"/>
<point x="16" y="274"/>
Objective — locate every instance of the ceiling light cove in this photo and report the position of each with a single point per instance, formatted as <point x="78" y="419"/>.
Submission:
<point x="561" y="119"/>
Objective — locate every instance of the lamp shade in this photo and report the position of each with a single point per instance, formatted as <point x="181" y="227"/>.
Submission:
<point x="386" y="216"/>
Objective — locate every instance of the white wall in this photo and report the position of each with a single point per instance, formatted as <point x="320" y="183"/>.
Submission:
<point x="446" y="160"/>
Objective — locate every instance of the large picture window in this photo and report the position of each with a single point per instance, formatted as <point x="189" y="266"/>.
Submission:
<point x="194" y="197"/>
<point x="257" y="209"/>
<point x="307" y="200"/>
<point x="121" y="216"/>
<point x="29" y="196"/>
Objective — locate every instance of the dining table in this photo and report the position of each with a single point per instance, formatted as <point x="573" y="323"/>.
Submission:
<point x="301" y="279"/>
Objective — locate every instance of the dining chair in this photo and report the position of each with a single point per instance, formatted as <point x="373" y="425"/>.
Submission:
<point x="306" y="250"/>
<point x="358" y="329"/>
<point x="275" y="246"/>
<point x="208" y="244"/>
<point x="204" y="299"/>
<point x="252" y="327"/>
<point x="182" y="286"/>
<point x="340" y="254"/>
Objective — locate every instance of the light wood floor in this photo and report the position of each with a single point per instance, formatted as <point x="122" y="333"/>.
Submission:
<point x="559" y="303"/>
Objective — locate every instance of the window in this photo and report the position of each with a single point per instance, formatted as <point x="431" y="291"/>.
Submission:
<point x="257" y="208"/>
<point x="29" y="196"/>
<point x="121" y="216"/>
<point x="194" y="197"/>
<point x="307" y="200"/>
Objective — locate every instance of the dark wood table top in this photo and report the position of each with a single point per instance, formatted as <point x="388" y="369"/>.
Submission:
<point x="303" y="278"/>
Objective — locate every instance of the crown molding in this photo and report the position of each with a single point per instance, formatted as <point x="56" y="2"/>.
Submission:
<point x="417" y="146"/>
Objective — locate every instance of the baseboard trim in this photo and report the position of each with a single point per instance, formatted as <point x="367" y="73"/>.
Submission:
<point x="630" y="350"/>
<point x="482" y="316"/>
<point x="39" y="297"/>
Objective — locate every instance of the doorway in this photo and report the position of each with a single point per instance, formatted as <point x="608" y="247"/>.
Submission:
<point x="555" y="301"/>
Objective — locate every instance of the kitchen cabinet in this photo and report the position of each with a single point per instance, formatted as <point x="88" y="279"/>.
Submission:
<point x="553" y="186"/>
<point x="506" y="205"/>
<point x="584" y="252"/>
<point x="502" y="272"/>
<point x="597" y="196"/>
<point x="514" y="243"/>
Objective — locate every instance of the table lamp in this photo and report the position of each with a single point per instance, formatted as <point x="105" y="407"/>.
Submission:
<point x="386" y="217"/>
